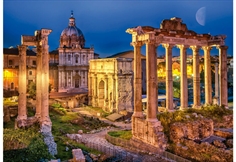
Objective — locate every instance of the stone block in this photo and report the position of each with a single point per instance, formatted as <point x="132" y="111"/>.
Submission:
<point x="78" y="155"/>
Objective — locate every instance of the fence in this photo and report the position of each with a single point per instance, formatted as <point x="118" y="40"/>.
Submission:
<point x="125" y="143"/>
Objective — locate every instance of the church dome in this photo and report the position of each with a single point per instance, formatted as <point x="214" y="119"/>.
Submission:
<point x="72" y="36"/>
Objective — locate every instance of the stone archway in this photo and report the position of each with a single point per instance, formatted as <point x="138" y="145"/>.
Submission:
<point x="101" y="93"/>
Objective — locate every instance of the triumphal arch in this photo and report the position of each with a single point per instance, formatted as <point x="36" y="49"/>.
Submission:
<point x="172" y="32"/>
<point x="40" y="41"/>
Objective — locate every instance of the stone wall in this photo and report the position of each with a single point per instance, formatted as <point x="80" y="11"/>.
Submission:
<point x="202" y="152"/>
<point x="150" y="133"/>
<point x="194" y="130"/>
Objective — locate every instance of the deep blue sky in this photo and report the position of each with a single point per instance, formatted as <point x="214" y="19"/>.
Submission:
<point x="104" y="23"/>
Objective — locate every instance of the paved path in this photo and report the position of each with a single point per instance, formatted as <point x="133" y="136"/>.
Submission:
<point x="98" y="141"/>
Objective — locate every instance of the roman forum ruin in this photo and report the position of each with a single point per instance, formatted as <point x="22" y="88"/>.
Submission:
<point x="172" y="33"/>
<point x="40" y="40"/>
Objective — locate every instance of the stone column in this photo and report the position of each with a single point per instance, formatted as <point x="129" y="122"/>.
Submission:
<point x="223" y="76"/>
<point x="137" y="80"/>
<point x="216" y="97"/>
<point x="106" y="88"/>
<point x="183" y="78"/>
<point x="196" y="78"/>
<point x="207" y="75"/>
<point x="22" y="111"/>
<point x="169" y="79"/>
<point x="95" y="90"/>
<point x="39" y="82"/>
<point x="151" y="69"/>
<point x="45" y="77"/>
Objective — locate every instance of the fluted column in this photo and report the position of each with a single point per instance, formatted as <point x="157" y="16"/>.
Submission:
<point x="137" y="80"/>
<point x="106" y="88"/>
<point x="183" y="78"/>
<point x="207" y="75"/>
<point x="22" y="111"/>
<point x="95" y="90"/>
<point x="151" y="70"/>
<point x="223" y="76"/>
<point x="169" y="78"/>
<point x="196" y="78"/>
<point x="39" y="82"/>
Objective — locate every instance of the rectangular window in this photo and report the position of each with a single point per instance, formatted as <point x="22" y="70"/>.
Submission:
<point x="34" y="62"/>
<point x="10" y="62"/>
<point x="30" y="72"/>
<point x="69" y="56"/>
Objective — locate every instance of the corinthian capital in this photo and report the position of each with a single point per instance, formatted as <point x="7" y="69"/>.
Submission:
<point x="167" y="45"/>
<point x="22" y="48"/>
<point x="206" y="48"/>
<point x="195" y="48"/>
<point x="181" y="46"/>
<point x="222" y="47"/>
<point x="136" y="44"/>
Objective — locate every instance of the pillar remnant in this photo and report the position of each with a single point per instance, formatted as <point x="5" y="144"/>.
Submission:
<point x="169" y="78"/>
<point x="183" y="77"/>
<point x="137" y="80"/>
<point x="22" y="111"/>
<point x="216" y="97"/>
<point x="207" y="75"/>
<point x="196" y="78"/>
<point x="223" y="76"/>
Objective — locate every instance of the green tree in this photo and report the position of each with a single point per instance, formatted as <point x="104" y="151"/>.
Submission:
<point x="32" y="89"/>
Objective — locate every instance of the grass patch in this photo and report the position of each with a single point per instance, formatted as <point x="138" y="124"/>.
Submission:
<point x="121" y="134"/>
<point x="95" y="110"/>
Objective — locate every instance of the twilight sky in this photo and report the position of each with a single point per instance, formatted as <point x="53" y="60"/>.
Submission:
<point x="104" y="22"/>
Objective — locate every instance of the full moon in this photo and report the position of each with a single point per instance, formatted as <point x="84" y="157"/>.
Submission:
<point x="201" y="16"/>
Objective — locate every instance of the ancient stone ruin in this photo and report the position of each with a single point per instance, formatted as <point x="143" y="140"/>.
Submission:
<point x="172" y="33"/>
<point x="40" y="41"/>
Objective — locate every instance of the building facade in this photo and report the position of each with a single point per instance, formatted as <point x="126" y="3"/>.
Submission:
<point x="73" y="59"/>
<point x="111" y="84"/>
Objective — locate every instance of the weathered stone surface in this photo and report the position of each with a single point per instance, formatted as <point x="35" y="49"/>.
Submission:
<point x="219" y="144"/>
<point x="80" y="131"/>
<point x="229" y="143"/>
<point x="48" y="138"/>
<point x="227" y="122"/>
<point x="225" y="133"/>
<point x="150" y="133"/>
<point x="78" y="155"/>
<point x="6" y="114"/>
<point x="195" y="130"/>
<point x="203" y="152"/>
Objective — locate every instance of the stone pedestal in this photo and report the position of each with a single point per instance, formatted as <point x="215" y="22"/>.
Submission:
<point x="150" y="133"/>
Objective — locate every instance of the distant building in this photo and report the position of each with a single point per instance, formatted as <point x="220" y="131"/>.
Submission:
<point x="111" y="84"/>
<point x="130" y="54"/>
<point x="73" y="59"/>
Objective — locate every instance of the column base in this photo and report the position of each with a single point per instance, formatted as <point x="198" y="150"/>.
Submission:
<point x="183" y="107"/>
<point x="167" y="110"/>
<point x="196" y="106"/>
<point x="138" y="115"/>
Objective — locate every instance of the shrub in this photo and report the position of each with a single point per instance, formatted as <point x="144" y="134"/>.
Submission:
<point x="24" y="145"/>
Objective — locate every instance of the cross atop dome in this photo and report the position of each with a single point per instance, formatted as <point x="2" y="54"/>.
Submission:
<point x="72" y="15"/>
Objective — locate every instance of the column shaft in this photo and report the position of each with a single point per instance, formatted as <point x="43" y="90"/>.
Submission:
<point x="196" y="78"/>
<point x="137" y="80"/>
<point x="151" y="69"/>
<point x="39" y="82"/>
<point x="169" y="78"/>
<point x="207" y="75"/>
<point x="22" y="111"/>
<point x="183" y="78"/>
<point x="223" y="76"/>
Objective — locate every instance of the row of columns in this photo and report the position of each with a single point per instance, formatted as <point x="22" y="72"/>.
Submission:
<point x="152" y="84"/>
<point x="83" y="59"/>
